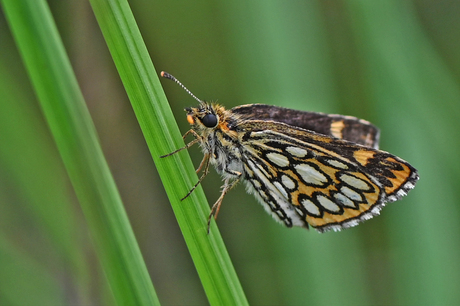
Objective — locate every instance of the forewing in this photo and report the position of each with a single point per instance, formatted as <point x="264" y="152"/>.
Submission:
<point x="307" y="178"/>
<point x="343" y="127"/>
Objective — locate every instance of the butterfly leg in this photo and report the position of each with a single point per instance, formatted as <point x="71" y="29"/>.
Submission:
<point x="225" y="188"/>
<point x="188" y="145"/>
<point x="205" y="162"/>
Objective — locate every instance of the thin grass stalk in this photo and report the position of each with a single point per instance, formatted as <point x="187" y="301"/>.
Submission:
<point x="75" y="136"/>
<point x="162" y="135"/>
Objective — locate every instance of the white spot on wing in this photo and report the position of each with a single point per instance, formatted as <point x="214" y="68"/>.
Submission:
<point x="327" y="203"/>
<point x="299" y="211"/>
<point x="281" y="189"/>
<point x="310" y="175"/>
<point x="298" y="152"/>
<point x="288" y="182"/>
<point x="344" y="200"/>
<point x="278" y="159"/>
<point x="351" y="193"/>
<point x="354" y="182"/>
<point x="336" y="163"/>
<point x="310" y="207"/>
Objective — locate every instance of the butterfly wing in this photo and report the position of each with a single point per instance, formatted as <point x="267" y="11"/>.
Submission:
<point x="343" y="127"/>
<point x="304" y="178"/>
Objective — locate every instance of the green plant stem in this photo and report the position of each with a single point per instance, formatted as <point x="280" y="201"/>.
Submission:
<point x="162" y="135"/>
<point x="66" y="113"/>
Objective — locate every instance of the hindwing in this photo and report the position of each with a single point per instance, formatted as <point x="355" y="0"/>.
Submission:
<point x="305" y="178"/>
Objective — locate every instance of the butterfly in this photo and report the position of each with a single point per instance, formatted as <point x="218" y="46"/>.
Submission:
<point x="305" y="168"/>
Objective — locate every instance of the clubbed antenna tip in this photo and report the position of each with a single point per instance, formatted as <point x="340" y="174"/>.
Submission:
<point x="166" y="75"/>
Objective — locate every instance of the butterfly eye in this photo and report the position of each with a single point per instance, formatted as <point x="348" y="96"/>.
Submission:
<point x="209" y="120"/>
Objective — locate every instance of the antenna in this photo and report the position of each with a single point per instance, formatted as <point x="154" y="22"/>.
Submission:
<point x="166" y="75"/>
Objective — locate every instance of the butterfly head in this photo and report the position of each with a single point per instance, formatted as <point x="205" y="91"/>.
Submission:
<point x="206" y="116"/>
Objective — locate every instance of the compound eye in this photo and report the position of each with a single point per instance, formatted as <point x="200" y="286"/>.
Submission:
<point x="209" y="120"/>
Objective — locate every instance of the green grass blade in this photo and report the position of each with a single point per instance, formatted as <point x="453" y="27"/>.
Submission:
<point x="38" y="214"/>
<point x="25" y="275"/>
<point x="64" y="108"/>
<point x="162" y="135"/>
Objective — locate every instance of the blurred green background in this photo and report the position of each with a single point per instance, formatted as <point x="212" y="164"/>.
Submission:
<point x="394" y="63"/>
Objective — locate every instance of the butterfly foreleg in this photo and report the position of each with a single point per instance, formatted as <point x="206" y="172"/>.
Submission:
<point x="188" y="145"/>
